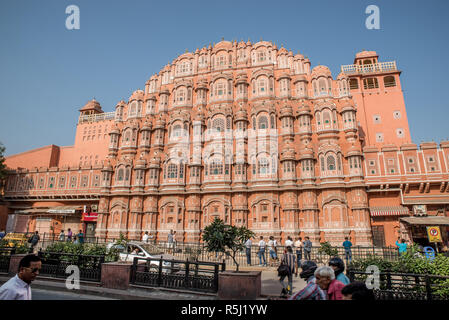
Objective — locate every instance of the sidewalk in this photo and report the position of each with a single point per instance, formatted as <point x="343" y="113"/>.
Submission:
<point x="270" y="288"/>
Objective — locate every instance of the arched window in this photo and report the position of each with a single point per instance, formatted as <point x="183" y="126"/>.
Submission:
<point x="127" y="173"/>
<point x="272" y="122"/>
<point x="176" y="131"/>
<point x="322" y="163"/>
<point x="120" y="174"/>
<point x="389" y="81"/>
<point x="216" y="167"/>
<point x="322" y="86"/>
<point x="262" y="86"/>
<point x="353" y="84"/>
<point x="172" y="171"/>
<point x="370" y="83"/>
<point x="330" y="163"/>
<point x="218" y="124"/>
<point x="326" y="117"/>
<point x="264" y="166"/>
<point x="263" y="122"/>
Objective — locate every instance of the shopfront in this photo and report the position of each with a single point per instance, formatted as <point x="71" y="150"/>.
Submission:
<point x="416" y="229"/>
<point x="89" y="218"/>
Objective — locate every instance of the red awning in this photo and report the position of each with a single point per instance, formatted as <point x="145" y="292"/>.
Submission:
<point x="389" y="211"/>
<point x="89" y="216"/>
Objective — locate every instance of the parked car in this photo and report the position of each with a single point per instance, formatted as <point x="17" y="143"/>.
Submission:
<point x="136" y="249"/>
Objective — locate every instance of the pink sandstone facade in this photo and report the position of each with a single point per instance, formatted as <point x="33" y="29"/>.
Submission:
<point x="249" y="133"/>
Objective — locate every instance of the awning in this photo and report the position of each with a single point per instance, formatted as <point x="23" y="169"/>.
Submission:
<point x="32" y="210"/>
<point x="65" y="209"/>
<point x="389" y="211"/>
<point x="431" y="220"/>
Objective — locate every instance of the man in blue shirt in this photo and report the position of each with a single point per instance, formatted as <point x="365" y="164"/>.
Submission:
<point x="402" y="246"/>
<point x="348" y="253"/>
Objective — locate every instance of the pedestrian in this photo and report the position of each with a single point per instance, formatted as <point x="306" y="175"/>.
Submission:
<point x="170" y="241"/>
<point x="338" y="265"/>
<point x="61" y="235"/>
<point x="311" y="291"/>
<point x="348" y="252"/>
<point x="18" y="287"/>
<point x="289" y="260"/>
<point x="2" y="234"/>
<point x="34" y="239"/>
<point x="81" y="237"/>
<point x="402" y="246"/>
<point x="248" y="246"/>
<point x="75" y="240"/>
<point x="261" y="252"/>
<point x="325" y="278"/>
<point x="298" y="247"/>
<point x="145" y="237"/>
<point x="69" y="235"/>
<point x="288" y="242"/>
<point x="174" y="241"/>
<point x="272" y="250"/>
<point x="307" y="248"/>
<point x="357" y="291"/>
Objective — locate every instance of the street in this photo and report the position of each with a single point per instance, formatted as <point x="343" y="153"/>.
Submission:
<point x="41" y="294"/>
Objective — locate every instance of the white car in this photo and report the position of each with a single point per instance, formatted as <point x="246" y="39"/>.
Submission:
<point x="135" y="249"/>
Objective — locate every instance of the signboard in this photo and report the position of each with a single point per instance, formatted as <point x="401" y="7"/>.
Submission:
<point x="420" y="210"/>
<point x="434" y="234"/>
<point x="90" y="216"/>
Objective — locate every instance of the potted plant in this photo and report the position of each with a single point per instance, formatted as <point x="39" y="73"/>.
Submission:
<point x="220" y="237"/>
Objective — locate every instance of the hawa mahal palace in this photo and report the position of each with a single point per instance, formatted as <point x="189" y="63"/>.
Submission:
<point x="249" y="133"/>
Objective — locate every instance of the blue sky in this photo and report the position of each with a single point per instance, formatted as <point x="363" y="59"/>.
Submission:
<point x="47" y="73"/>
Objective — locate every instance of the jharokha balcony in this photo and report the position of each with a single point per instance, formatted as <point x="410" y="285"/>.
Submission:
<point x="369" y="68"/>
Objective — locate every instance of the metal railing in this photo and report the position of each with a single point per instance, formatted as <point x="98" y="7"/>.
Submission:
<point x="406" y="286"/>
<point x="369" y="68"/>
<point x="176" y="274"/>
<point x="55" y="264"/>
<point x="197" y="251"/>
<point x="5" y="258"/>
<point x="97" y="117"/>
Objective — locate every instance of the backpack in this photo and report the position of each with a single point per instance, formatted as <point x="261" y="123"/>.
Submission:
<point x="283" y="270"/>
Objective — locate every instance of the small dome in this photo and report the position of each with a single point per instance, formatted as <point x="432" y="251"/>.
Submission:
<point x="92" y="105"/>
<point x="300" y="77"/>
<point x="354" y="150"/>
<point x="342" y="76"/>
<point x="286" y="111"/>
<point x="321" y="71"/>
<point x="137" y="95"/>
<point x="366" y="54"/>
<point x="241" y="114"/>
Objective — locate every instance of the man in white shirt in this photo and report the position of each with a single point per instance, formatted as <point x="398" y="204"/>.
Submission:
<point x="289" y="242"/>
<point x="145" y="237"/>
<point x="18" y="287"/>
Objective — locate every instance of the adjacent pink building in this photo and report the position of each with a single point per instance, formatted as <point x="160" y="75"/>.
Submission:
<point x="248" y="133"/>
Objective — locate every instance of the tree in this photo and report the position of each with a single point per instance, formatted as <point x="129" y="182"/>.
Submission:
<point x="220" y="237"/>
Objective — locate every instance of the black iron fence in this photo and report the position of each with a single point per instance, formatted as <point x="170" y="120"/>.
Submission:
<point x="198" y="251"/>
<point x="55" y="265"/>
<point x="406" y="286"/>
<point x="5" y="257"/>
<point x="176" y="274"/>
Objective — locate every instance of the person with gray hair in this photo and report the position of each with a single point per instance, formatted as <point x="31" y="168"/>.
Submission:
<point x="325" y="278"/>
